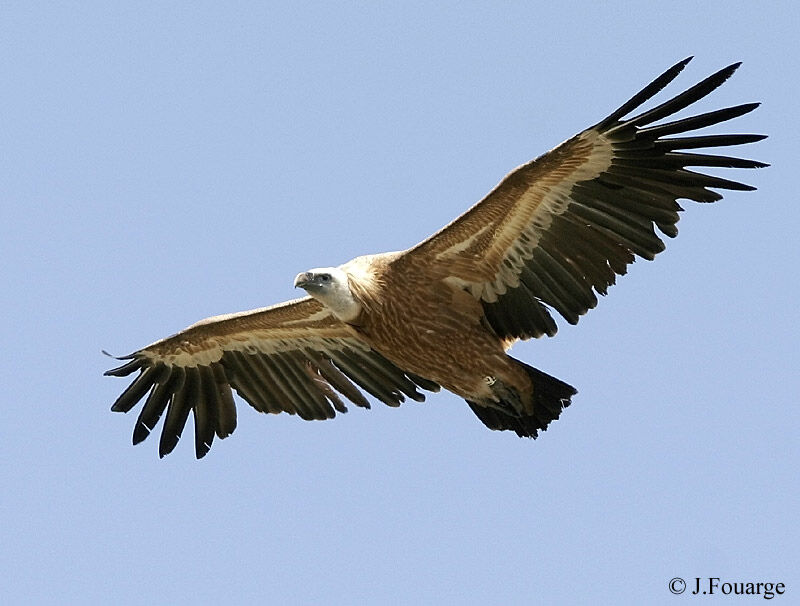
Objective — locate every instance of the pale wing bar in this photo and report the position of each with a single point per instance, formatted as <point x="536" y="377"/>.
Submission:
<point x="305" y="382"/>
<point x="609" y="220"/>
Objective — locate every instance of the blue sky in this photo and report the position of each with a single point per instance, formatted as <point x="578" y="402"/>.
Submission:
<point x="166" y="163"/>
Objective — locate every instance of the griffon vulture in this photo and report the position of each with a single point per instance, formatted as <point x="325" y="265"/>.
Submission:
<point x="551" y="236"/>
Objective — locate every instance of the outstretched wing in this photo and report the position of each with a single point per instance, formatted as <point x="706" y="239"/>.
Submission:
<point x="559" y="229"/>
<point x="295" y="357"/>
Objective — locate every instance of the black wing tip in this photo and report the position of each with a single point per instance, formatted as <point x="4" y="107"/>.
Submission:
<point x="140" y="433"/>
<point x="165" y="449"/>
<point x="130" y="356"/>
<point x="229" y="432"/>
<point x="699" y="90"/>
<point x="133" y="362"/>
<point x="676" y="69"/>
<point x="645" y="94"/>
<point x="721" y="75"/>
<point x="115" y="407"/>
<point x="670" y="74"/>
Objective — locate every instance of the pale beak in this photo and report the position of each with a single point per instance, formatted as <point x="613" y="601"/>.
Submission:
<point x="303" y="279"/>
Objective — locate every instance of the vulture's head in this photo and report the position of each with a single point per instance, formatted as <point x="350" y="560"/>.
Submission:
<point x="331" y="287"/>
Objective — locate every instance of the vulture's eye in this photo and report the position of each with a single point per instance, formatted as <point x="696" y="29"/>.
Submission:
<point x="325" y="277"/>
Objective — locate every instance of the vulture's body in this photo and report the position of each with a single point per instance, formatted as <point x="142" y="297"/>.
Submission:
<point x="437" y="331"/>
<point x="551" y="236"/>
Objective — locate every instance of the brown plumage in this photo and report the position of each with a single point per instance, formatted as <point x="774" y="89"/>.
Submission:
<point x="552" y="235"/>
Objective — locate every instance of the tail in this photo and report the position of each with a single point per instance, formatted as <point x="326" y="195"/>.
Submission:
<point x="550" y="397"/>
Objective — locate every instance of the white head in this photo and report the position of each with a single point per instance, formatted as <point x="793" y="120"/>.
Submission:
<point x="331" y="287"/>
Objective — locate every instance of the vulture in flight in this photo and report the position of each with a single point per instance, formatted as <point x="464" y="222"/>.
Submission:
<point x="551" y="236"/>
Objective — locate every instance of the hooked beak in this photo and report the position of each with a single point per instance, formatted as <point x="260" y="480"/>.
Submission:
<point x="303" y="279"/>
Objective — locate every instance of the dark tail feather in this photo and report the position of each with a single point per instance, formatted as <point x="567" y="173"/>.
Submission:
<point x="550" y="395"/>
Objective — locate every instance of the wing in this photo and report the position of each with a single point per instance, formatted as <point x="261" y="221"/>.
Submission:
<point x="295" y="357"/>
<point x="559" y="229"/>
